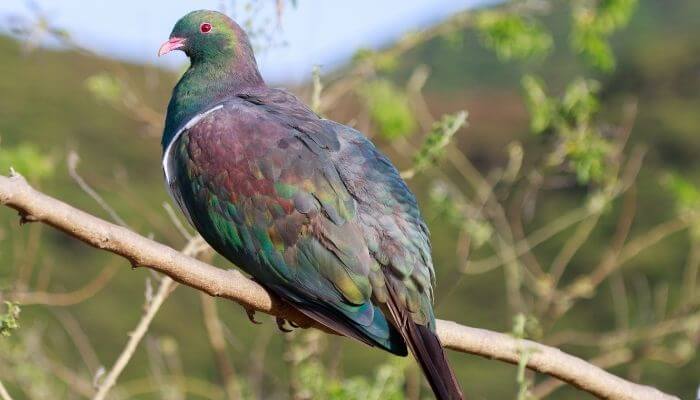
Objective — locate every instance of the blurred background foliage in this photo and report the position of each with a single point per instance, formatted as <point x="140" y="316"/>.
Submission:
<point x="553" y="147"/>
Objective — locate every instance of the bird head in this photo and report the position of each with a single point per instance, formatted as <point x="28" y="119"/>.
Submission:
<point x="207" y="35"/>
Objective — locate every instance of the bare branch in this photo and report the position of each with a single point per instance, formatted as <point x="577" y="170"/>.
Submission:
<point x="32" y="205"/>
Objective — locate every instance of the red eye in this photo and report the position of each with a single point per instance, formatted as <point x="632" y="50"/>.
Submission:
<point x="205" y="27"/>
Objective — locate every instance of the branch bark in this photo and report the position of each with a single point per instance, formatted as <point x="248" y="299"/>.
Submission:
<point x="33" y="205"/>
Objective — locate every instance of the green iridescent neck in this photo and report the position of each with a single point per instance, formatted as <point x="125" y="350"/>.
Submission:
<point x="206" y="83"/>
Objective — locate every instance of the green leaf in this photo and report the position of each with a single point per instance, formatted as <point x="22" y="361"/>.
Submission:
<point x="587" y="152"/>
<point x="387" y="384"/>
<point x="26" y="160"/>
<point x="389" y="109"/>
<point x="685" y="193"/>
<point x="593" y="24"/>
<point x="542" y="109"/>
<point x="439" y="137"/>
<point x="595" y="49"/>
<point x="9" y="321"/>
<point x="581" y="146"/>
<point x="513" y="37"/>
<point x="580" y="101"/>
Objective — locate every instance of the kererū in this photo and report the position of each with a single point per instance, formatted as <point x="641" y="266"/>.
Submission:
<point x="310" y="208"/>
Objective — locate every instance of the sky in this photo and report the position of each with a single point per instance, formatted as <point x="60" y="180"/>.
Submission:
<point x="315" y="32"/>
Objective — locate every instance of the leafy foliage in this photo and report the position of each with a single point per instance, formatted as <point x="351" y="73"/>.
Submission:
<point x="542" y="108"/>
<point x="27" y="160"/>
<point x="594" y="21"/>
<point x="513" y="37"/>
<point x="387" y="383"/>
<point x="388" y="107"/>
<point x="450" y="208"/>
<point x="9" y="321"/>
<point x="439" y="137"/>
<point x="686" y="194"/>
<point x="580" y="143"/>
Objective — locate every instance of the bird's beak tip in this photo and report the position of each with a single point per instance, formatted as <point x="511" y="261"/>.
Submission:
<point x="172" y="44"/>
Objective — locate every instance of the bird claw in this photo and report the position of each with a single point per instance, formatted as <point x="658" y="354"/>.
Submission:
<point x="280" y="325"/>
<point x="251" y="316"/>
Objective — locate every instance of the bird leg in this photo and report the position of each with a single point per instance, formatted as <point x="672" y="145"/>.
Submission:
<point x="280" y="324"/>
<point x="251" y="316"/>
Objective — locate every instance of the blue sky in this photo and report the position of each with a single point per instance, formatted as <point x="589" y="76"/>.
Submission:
<point x="316" y="32"/>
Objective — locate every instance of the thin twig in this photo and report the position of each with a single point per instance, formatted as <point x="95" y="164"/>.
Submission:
<point x="73" y="160"/>
<point x="79" y="338"/>
<point x="67" y="298"/>
<point x="215" y="334"/>
<point x="176" y="221"/>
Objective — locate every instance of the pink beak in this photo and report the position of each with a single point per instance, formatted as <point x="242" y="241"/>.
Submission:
<point x="172" y="44"/>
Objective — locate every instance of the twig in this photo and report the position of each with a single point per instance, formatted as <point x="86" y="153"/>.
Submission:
<point x="4" y="395"/>
<point x="16" y="193"/>
<point x="73" y="160"/>
<point x="198" y="388"/>
<point x="67" y="298"/>
<point x="615" y="259"/>
<point x="215" y="333"/>
<point x="28" y="260"/>
<point x="176" y="221"/>
<point x="135" y="338"/>
<point x="79" y="338"/>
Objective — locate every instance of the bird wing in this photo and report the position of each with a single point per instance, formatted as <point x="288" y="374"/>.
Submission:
<point x="258" y="183"/>
<point x="392" y="226"/>
<point x="398" y="239"/>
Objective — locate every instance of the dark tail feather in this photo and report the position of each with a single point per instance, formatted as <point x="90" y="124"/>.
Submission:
<point x="426" y="348"/>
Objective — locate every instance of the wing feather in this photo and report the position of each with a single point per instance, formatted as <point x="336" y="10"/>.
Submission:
<point x="268" y="197"/>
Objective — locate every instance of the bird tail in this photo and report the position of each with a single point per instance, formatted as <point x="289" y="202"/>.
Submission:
<point x="426" y="348"/>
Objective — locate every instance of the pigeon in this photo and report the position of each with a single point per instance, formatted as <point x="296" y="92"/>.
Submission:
<point x="308" y="207"/>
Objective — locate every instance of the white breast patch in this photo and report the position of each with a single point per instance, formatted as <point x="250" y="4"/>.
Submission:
<point x="168" y="167"/>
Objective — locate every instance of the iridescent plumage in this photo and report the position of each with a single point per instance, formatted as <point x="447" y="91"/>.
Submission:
<point x="308" y="207"/>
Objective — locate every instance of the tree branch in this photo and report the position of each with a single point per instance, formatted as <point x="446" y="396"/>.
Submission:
<point x="33" y="205"/>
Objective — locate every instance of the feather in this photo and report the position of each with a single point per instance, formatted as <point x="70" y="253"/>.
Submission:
<point x="309" y="207"/>
<point x="426" y="348"/>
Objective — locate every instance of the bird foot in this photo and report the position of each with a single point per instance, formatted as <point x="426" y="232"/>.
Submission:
<point x="280" y="324"/>
<point x="251" y="316"/>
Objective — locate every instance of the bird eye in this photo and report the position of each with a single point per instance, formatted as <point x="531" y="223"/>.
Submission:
<point x="205" y="27"/>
